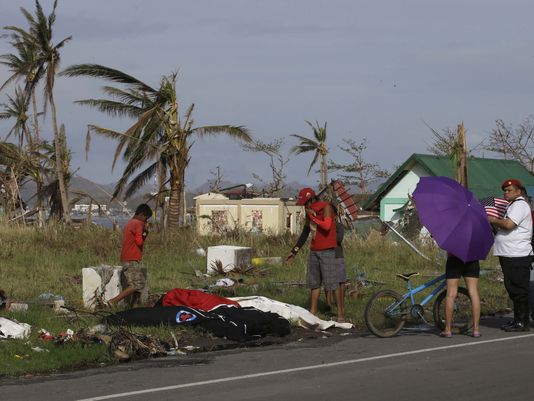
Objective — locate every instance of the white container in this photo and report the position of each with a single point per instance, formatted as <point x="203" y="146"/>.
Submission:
<point x="229" y="256"/>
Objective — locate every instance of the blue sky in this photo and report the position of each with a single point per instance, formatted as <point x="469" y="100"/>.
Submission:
<point x="378" y="70"/>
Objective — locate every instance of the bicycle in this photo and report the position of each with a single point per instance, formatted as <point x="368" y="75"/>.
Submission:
<point x="387" y="311"/>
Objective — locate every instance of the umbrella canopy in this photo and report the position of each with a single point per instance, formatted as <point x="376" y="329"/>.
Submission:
<point x="454" y="217"/>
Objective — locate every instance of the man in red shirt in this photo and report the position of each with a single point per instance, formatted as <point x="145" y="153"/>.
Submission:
<point x="322" y="267"/>
<point x="133" y="240"/>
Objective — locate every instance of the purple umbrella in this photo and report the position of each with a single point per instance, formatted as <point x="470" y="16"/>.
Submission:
<point x="454" y="217"/>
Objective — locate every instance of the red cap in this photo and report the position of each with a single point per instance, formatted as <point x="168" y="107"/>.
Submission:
<point x="512" y="181"/>
<point x="305" y="195"/>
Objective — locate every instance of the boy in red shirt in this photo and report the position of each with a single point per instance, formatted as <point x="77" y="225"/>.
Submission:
<point x="133" y="240"/>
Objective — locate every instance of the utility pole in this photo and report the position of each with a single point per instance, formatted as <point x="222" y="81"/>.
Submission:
<point x="461" y="156"/>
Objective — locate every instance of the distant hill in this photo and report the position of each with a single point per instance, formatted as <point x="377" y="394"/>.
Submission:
<point x="102" y="192"/>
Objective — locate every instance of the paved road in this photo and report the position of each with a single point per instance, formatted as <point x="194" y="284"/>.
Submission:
<point x="413" y="366"/>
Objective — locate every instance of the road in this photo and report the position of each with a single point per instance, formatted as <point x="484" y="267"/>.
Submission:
<point x="414" y="365"/>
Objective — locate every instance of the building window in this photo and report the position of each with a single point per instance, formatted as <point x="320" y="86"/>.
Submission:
<point x="219" y="221"/>
<point x="288" y="221"/>
<point x="257" y="220"/>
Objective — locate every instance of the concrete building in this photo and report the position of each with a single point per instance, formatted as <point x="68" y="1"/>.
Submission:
<point x="216" y="213"/>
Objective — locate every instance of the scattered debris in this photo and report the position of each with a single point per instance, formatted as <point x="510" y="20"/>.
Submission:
<point x="10" y="328"/>
<point x="126" y="345"/>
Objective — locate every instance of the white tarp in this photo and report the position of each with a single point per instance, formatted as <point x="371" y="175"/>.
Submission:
<point x="295" y="314"/>
<point x="11" y="329"/>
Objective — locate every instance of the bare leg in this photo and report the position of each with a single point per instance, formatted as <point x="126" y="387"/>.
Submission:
<point x="128" y="291"/>
<point x="340" y="304"/>
<point x="452" y="291"/>
<point x="314" y="298"/>
<point x="472" y="287"/>
<point x="328" y="294"/>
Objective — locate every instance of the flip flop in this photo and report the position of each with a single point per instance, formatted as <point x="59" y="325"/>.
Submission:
<point x="476" y="334"/>
<point x="445" y="334"/>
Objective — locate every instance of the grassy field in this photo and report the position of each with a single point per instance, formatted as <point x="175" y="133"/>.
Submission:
<point x="49" y="260"/>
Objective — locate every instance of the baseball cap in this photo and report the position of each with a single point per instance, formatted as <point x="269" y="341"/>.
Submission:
<point x="512" y="181"/>
<point x="305" y="195"/>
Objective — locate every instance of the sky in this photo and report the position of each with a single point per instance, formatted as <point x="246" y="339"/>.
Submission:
<point x="382" y="70"/>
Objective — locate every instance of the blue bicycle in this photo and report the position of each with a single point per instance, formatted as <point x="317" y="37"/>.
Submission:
<point x="387" y="311"/>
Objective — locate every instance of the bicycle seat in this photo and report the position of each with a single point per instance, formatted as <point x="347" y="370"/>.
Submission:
<point x="406" y="276"/>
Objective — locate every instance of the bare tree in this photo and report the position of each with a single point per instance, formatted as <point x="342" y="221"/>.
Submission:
<point x="215" y="184"/>
<point x="514" y="143"/>
<point x="444" y="143"/>
<point x="277" y="163"/>
<point x="359" y="173"/>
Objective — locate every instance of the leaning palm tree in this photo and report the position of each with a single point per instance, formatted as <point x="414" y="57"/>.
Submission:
<point x="38" y="39"/>
<point x="159" y="141"/>
<point x="318" y="146"/>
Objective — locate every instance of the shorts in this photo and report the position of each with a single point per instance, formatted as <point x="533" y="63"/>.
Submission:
<point x="342" y="273"/>
<point x="135" y="277"/>
<point x="455" y="268"/>
<point x="322" y="270"/>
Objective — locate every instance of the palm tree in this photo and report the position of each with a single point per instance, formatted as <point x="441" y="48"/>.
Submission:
<point x="316" y="145"/>
<point x="17" y="108"/>
<point x="158" y="137"/>
<point x="38" y="39"/>
<point x="22" y="65"/>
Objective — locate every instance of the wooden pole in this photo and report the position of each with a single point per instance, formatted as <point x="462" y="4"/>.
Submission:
<point x="461" y="153"/>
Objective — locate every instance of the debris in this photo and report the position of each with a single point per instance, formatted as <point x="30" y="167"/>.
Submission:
<point x="224" y="282"/>
<point x="45" y="335"/>
<point x="126" y="345"/>
<point x="18" y="307"/>
<point x="275" y="260"/>
<point x="10" y="328"/>
<point x="39" y="349"/>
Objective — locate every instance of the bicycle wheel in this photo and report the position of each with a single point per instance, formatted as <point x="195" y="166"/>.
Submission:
<point x="461" y="314"/>
<point x="385" y="314"/>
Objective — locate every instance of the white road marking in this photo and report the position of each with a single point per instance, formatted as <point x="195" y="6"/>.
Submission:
<point x="303" y="368"/>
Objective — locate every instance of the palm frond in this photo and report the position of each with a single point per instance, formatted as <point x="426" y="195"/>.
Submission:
<point x="103" y="72"/>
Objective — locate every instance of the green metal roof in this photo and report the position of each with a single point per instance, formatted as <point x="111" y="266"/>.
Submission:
<point x="485" y="176"/>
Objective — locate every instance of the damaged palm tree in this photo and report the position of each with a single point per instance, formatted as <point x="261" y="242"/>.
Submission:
<point x="159" y="140"/>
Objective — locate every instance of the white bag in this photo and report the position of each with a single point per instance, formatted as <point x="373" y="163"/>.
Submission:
<point x="12" y="329"/>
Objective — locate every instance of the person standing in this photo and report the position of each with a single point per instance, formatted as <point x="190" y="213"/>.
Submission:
<point x="322" y="269"/>
<point x="133" y="240"/>
<point x="454" y="270"/>
<point x="514" y="249"/>
<point x="342" y="272"/>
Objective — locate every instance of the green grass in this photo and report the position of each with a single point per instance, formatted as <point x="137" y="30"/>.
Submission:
<point x="36" y="261"/>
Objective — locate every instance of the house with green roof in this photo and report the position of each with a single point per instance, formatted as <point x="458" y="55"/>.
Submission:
<point x="485" y="177"/>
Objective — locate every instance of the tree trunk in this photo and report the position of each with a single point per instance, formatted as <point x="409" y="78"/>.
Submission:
<point x="40" y="175"/>
<point x="59" y="163"/>
<point x="173" y="212"/>
<point x="324" y="176"/>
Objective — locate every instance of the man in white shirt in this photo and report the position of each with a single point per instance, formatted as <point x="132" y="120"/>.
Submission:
<point x="514" y="249"/>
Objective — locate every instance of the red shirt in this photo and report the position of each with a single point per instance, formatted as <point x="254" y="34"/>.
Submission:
<point x="324" y="239"/>
<point x="132" y="241"/>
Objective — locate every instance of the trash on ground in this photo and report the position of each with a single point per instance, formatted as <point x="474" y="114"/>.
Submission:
<point x="10" y="328"/>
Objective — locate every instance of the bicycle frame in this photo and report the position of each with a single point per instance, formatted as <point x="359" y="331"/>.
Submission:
<point x="410" y="294"/>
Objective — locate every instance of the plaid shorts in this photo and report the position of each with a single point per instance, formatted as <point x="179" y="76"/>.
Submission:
<point x="135" y="278"/>
<point x="322" y="270"/>
<point x="341" y="271"/>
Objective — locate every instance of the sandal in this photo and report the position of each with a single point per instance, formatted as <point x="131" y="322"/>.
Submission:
<point x="445" y="334"/>
<point x="476" y="334"/>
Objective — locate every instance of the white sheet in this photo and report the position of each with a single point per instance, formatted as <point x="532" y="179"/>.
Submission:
<point x="295" y="314"/>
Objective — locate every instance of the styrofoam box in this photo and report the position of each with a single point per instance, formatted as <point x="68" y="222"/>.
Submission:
<point x="230" y="256"/>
